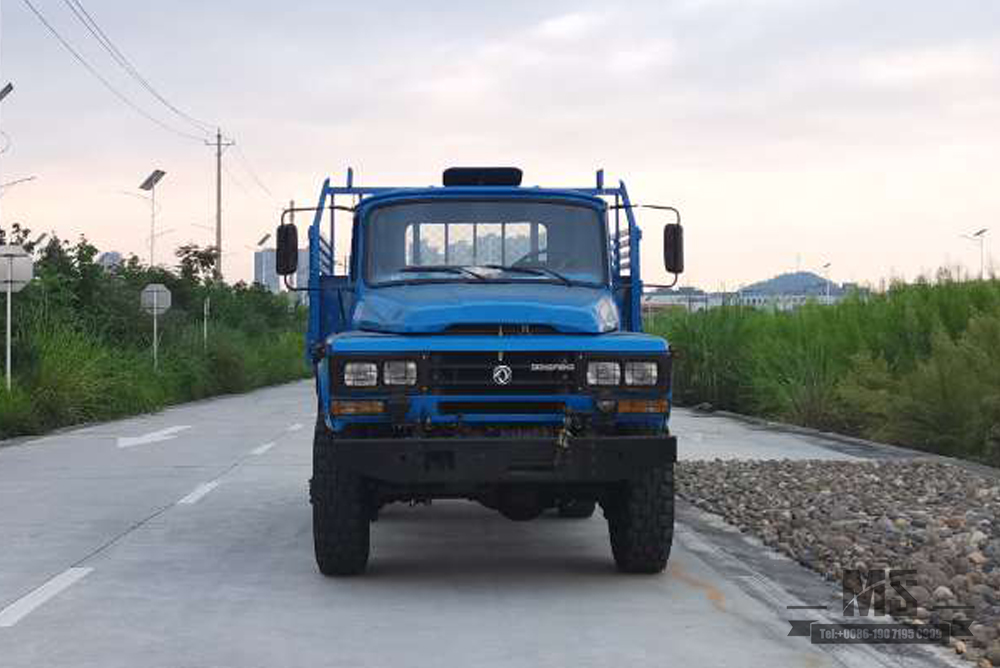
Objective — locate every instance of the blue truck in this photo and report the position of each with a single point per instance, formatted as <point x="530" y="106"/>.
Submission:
<point x="484" y="341"/>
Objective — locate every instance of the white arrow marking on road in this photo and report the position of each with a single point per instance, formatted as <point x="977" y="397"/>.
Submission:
<point x="167" y="434"/>
<point x="262" y="449"/>
<point x="25" y="605"/>
<point x="199" y="493"/>
<point x="295" y="427"/>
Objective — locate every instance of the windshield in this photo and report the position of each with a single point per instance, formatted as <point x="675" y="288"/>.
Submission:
<point x="486" y="241"/>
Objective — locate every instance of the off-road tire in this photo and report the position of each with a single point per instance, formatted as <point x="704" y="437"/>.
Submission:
<point x="341" y="511"/>
<point x="640" y="516"/>
<point x="576" y="509"/>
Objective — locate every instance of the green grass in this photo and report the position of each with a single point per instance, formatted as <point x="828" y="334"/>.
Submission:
<point x="82" y="347"/>
<point x="918" y="365"/>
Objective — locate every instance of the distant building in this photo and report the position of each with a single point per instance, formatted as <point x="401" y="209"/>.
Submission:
<point x="782" y="293"/>
<point x="109" y="260"/>
<point x="302" y="277"/>
<point x="265" y="270"/>
<point x="707" y="300"/>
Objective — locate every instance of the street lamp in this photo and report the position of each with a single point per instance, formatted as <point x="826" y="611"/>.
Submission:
<point x="4" y="92"/>
<point x="980" y="238"/>
<point x="149" y="185"/>
<point x="826" y="275"/>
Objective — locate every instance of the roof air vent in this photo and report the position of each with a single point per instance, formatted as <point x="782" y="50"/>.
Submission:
<point x="482" y="176"/>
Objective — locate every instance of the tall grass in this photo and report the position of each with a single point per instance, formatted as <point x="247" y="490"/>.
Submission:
<point x="918" y="365"/>
<point x="83" y="348"/>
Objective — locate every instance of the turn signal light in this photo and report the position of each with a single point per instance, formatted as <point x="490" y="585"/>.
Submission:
<point x="357" y="407"/>
<point x="643" y="405"/>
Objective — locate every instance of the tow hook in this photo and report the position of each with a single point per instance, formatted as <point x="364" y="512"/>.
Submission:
<point x="562" y="440"/>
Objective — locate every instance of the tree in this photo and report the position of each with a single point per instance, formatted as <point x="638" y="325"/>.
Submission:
<point x="17" y="236"/>
<point x="197" y="264"/>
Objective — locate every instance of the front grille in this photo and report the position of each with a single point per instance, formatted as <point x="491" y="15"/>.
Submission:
<point x="501" y="407"/>
<point x="471" y="373"/>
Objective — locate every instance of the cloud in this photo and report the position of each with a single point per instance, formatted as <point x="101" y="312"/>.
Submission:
<point x="640" y="57"/>
<point x="568" y="27"/>
<point x="931" y="66"/>
<point x="745" y="112"/>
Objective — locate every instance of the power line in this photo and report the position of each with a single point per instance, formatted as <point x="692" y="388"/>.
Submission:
<point x="116" y="54"/>
<point x="250" y="170"/>
<point x="107" y="84"/>
<point x="232" y="177"/>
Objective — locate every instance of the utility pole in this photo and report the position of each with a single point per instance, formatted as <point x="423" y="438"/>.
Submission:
<point x="219" y="144"/>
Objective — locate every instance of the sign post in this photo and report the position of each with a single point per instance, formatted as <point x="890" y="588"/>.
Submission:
<point x="16" y="271"/>
<point x="155" y="300"/>
<point x="207" y="310"/>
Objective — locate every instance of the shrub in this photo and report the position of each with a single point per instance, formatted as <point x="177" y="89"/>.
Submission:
<point x="83" y="348"/>
<point x="918" y="365"/>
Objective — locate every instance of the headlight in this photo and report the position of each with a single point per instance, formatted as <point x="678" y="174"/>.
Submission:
<point x="399" y="372"/>
<point x="604" y="373"/>
<point x="361" y="374"/>
<point x="640" y="373"/>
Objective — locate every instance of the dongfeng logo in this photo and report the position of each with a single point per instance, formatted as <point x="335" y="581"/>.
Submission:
<point x="502" y="374"/>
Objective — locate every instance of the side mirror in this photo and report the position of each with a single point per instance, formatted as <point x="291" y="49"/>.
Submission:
<point x="287" y="254"/>
<point x="673" y="248"/>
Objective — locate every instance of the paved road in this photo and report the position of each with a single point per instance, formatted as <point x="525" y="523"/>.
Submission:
<point x="183" y="539"/>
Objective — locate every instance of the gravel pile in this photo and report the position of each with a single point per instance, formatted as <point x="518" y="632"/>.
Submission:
<point x="941" y="520"/>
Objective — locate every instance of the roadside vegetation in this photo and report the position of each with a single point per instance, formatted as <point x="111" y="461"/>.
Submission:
<point x="917" y="365"/>
<point x="82" y="347"/>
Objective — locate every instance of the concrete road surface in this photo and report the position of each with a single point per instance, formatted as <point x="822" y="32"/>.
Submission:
<point x="182" y="540"/>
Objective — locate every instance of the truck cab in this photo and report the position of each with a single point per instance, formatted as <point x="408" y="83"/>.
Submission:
<point x="484" y="342"/>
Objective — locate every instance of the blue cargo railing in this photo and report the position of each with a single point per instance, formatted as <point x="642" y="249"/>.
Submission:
<point x="624" y="245"/>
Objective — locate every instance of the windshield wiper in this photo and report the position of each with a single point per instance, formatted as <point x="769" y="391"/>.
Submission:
<point x="534" y="271"/>
<point x="443" y="268"/>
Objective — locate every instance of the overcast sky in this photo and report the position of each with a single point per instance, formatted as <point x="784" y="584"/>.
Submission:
<point x="789" y="132"/>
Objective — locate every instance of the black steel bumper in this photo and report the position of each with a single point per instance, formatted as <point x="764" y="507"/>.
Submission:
<point x="484" y="460"/>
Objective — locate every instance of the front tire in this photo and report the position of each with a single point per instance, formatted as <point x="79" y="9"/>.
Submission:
<point x="641" y="521"/>
<point x="341" y="511"/>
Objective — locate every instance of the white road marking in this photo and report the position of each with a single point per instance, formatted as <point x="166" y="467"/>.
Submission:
<point x="199" y="493"/>
<point x="25" y="605"/>
<point x="262" y="449"/>
<point x="295" y="427"/>
<point x="167" y="434"/>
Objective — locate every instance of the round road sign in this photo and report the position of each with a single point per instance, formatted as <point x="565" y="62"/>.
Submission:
<point x="155" y="299"/>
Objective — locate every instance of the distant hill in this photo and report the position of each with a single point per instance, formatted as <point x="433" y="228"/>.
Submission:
<point x="794" y="283"/>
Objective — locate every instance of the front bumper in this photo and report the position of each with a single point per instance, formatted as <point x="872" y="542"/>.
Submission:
<point x="489" y="460"/>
